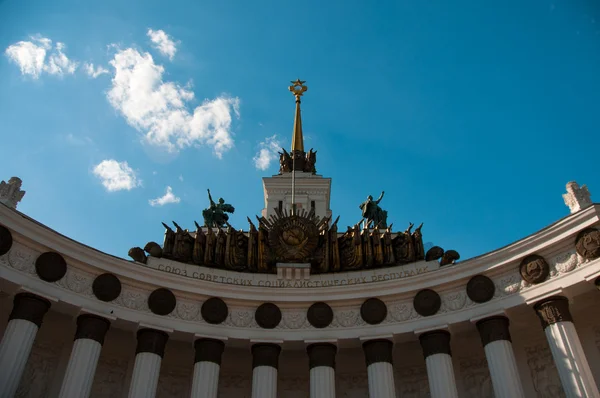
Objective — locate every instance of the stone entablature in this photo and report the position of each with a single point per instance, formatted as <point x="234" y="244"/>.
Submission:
<point x="247" y="279"/>
<point x="555" y="243"/>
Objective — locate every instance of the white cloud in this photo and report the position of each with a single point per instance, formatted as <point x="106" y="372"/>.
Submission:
<point x="163" y="43"/>
<point x="78" y="140"/>
<point x="168" y="197"/>
<point x="95" y="72"/>
<point x="267" y="153"/>
<point x="37" y="56"/>
<point x="181" y="178"/>
<point x="159" y="109"/>
<point x="116" y="176"/>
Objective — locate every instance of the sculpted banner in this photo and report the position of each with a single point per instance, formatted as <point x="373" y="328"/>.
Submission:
<point x="268" y="280"/>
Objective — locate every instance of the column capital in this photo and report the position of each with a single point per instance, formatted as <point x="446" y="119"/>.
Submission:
<point x="209" y="350"/>
<point x="321" y="354"/>
<point x="151" y="340"/>
<point x="265" y="354"/>
<point x="92" y="327"/>
<point x="29" y="307"/>
<point x="435" y="342"/>
<point x="552" y="310"/>
<point x="379" y="350"/>
<point x="493" y="328"/>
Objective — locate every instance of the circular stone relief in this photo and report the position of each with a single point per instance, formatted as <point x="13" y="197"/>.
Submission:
<point x="320" y="315"/>
<point x="373" y="311"/>
<point x="50" y="266"/>
<point x="534" y="269"/>
<point x="106" y="287"/>
<point x="268" y="316"/>
<point x="162" y="301"/>
<point x="214" y="310"/>
<point x="427" y="302"/>
<point x="480" y="289"/>
<point x="587" y="243"/>
<point x="5" y="240"/>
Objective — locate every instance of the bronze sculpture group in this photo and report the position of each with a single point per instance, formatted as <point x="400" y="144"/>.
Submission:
<point x="371" y="212"/>
<point x="298" y="161"/>
<point x="216" y="215"/>
<point x="299" y="238"/>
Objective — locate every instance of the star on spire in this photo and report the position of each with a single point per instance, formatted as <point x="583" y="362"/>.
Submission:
<point x="298" y="88"/>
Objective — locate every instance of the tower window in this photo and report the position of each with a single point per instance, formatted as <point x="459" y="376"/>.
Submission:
<point x="280" y="205"/>
<point x="312" y="204"/>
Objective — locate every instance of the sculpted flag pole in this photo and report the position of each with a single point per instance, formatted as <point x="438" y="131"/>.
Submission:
<point x="293" y="185"/>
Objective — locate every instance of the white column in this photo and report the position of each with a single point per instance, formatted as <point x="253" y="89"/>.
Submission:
<point x="495" y="337"/>
<point x="81" y="369"/>
<point x="265" y="360"/>
<point x="441" y="376"/>
<point x="150" y="350"/>
<point x="205" y="382"/>
<point x="573" y="368"/>
<point x="24" y="322"/>
<point x="322" y="382"/>
<point x="440" y="372"/>
<point x="322" y="370"/>
<point x="381" y="380"/>
<point x="264" y="382"/>
<point x="380" y="371"/>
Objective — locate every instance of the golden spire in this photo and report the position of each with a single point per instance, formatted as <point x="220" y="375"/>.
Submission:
<point x="298" y="88"/>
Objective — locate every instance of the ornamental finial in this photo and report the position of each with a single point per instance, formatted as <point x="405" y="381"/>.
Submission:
<point x="298" y="88"/>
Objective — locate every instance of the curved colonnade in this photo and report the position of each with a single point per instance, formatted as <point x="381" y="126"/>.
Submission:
<point x="262" y="317"/>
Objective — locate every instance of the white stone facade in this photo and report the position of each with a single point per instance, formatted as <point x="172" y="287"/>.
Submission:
<point x="570" y="275"/>
<point x="312" y="191"/>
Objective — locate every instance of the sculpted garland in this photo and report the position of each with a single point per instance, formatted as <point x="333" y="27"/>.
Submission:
<point x="287" y="237"/>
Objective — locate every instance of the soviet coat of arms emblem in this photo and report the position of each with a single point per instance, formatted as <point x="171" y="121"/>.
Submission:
<point x="293" y="238"/>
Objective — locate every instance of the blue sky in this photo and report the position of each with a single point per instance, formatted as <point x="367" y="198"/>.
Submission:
<point x="472" y="116"/>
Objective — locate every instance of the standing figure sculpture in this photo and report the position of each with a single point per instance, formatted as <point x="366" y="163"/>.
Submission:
<point x="220" y="247"/>
<point x="215" y="215"/>
<point x="335" y="249"/>
<point x="372" y="212"/>
<point x="311" y="161"/>
<point x="285" y="162"/>
<point x="403" y="245"/>
<point x="263" y="239"/>
<point x="388" y="249"/>
<point x="377" y="246"/>
<point x="417" y="238"/>
<point x="209" y="251"/>
<point x="169" y="242"/>
<point x="252" y="246"/>
<point x="184" y="244"/>
<point x="199" y="243"/>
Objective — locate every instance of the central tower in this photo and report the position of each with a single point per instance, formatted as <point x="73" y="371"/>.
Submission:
<point x="297" y="185"/>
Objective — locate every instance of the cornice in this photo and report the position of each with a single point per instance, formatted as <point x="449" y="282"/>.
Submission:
<point x="38" y="236"/>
